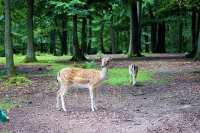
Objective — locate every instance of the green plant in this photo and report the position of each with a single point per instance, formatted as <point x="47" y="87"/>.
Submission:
<point x="88" y="65"/>
<point x="17" y="80"/>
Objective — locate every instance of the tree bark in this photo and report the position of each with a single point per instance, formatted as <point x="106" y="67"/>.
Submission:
<point x="112" y="37"/>
<point x="146" y="38"/>
<point x="134" y="31"/>
<point x="153" y="30"/>
<point x="63" y="35"/>
<point x="139" y="10"/>
<point x="197" y="43"/>
<point x="197" y="56"/>
<point x="160" y="43"/>
<point x="84" y="36"/>
<point x="53" y="42"/>
<point x="30" y="55"/>
<point x="78" y="55"/>
<point x="8" y="43"/>
<point x="180" y="34"/>
<point x="101" y="36"/>
<point x="89" y="35"/>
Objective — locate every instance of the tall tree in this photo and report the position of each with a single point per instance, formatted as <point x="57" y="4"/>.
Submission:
<point x="78" y="55"/>
<point x="101" y="36"/>
<point x="30" y="55"/>
<point x="8" y="43"/>
<point x="89" y="43"/>
<point x="84" y="35"/>
<point x="112" y="36"/>
<point x="134" y="48"/>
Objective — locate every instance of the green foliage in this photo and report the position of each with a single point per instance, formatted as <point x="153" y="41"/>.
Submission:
<point x="123" y="76"/>
<point x="89" y="65"/>
<point x="2" y="53"/>
<point x="18" y="80"/>
<point x="6" y="105"/>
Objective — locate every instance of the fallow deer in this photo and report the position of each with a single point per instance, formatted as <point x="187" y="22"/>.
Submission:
<point x="81" y="78"/>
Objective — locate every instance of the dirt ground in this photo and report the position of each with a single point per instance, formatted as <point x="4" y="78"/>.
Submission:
<point x="171" y="107"/>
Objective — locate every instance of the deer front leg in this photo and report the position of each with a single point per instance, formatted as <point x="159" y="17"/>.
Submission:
<point x="133" y="80"/>
<point x="62" y="94"/>
<point x="95" y="94"/>
<point x="130" y="79"/>
<point x="58" y="97"/>
<point x="58" y="100"/>
<point x="92" y="99"/>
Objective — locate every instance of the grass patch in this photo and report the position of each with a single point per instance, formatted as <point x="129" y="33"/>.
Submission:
<point x="41" y="59"/>
<point x="120" y="76"/>
<point x="17" y="80"/>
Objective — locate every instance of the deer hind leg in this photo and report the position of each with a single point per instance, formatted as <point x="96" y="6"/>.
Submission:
<point x="95" y="94"/>
<point x="92" y="98"/>
<point x="60" y="96"/>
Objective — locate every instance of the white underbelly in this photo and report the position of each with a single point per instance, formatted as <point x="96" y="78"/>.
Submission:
<point x="76" y="85"/>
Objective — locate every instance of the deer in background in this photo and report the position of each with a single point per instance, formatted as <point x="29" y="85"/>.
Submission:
<point x="133" y="70"/>
<point x="81" y="78"/>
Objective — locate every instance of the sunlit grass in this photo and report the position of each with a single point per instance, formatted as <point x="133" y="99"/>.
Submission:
<point x="116" y="76"/>
<point x="120" y="76"/>
<point x="42" y="59"/>
<point x="6" y="105"/>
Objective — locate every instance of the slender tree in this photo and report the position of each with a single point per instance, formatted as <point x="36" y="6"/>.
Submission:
<point x="101" y="36"/>
<point x="134" y="48"/>
<point x="84" y="35"/>
<point x="89" y="43"/>
<point x="78" y="55"/>
<point x="30" y="55"/>
<point x="112" y="36"/>
<point x="8" y="43"/>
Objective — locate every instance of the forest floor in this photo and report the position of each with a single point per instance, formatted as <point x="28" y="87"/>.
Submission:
<point x="172" y="106"/>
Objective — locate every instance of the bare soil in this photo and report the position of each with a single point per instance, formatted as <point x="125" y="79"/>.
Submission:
<point x="172" y="107"/>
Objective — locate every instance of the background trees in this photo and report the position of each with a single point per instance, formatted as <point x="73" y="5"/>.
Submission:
<point x="8" y="41"/>
<point x="79" y="27"/>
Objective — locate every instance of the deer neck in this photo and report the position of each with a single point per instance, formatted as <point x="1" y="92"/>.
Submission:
<point x="104" y="72"/>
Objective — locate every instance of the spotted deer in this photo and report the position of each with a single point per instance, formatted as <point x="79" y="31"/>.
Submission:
<point x="73" y="77"/>
<point x="133" y="70"/>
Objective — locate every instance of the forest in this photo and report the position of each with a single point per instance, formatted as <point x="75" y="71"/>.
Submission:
<point x="161" y="38"/>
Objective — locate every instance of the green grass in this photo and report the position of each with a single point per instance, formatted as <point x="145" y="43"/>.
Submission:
<point x="42" y="59"/>
<point x="116" y="76"/>
<point x="56" y="63"/>
<point x="6" y="105"/>
<point x="120" y="76"/>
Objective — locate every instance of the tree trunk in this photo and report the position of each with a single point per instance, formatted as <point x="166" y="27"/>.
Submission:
<point x="84" y="36"/>
<point x="134" y="31"/>
<point x="53" y="42"/>
<point x="112" y="36"/>
<point x="153" y="30"/>
<point x="160" y="43"/>
<point x="63" y="35"/>
<point x="30" y="55"/>
<point x="139" y="10"/>
<point x="89" y="35"/>
<point x="197" y="56"/>
<point x="101" y="36"/>
<point x="8" y="44"/>
<point x="197" y="43"/>
<point x="78" y="55"/>
<point x="180" y="34"/>
<point x="146" y="38"/>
